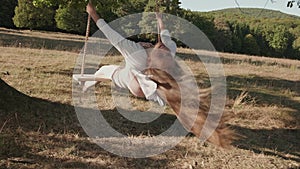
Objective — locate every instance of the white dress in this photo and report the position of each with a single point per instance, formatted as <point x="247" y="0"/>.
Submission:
<point x="135" y="62"/>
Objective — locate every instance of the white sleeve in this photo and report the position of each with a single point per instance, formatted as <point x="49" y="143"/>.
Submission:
<point x="148" y="87"/>
<point x="123" y="45"/>
<point x="168" y="42"/>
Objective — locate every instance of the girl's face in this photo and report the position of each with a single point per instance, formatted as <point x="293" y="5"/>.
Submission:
<point x="161" y="58"/>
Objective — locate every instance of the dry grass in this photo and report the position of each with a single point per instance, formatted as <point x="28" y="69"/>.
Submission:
<point x="38" y="39"/>
<point x="39" y="128"/>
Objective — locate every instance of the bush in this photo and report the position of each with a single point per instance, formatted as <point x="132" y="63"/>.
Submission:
<point x="29" y="16"/>
<point x="250" y="45"/>
<point x="72" y="18"/>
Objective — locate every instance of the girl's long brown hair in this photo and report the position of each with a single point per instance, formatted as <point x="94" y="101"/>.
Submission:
<point x="172" y="87"/>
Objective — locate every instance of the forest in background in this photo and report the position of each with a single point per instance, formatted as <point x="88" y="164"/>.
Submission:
<point x="247" y="31"/>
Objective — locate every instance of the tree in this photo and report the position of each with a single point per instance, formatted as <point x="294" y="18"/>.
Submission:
<point x="71" y="17"/>
<point x="239" y="31"/>
<point x="130" y="7"/>
<point x="29" y="16"/>
<point x="223" y="38"/>
<point x="280" y="38"/>
<point x="203" y="22"/>
<point x="296" y="47"/>
<point x="48" y="3"/>
<point x="171" y="7"/>
<point x="259" y="32"/>
<point x="148" y="22"/>
<point x="250" y="45"/>
<point x="296" y="44"/>
<point x="7" y="13"/>
<point x="236" y="44"/>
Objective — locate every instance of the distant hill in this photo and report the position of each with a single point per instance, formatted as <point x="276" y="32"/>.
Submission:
<point x="252" y="31"/>
<point x="254" y="13"/>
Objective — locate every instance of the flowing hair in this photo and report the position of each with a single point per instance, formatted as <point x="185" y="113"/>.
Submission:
<point x="190" y="108"/>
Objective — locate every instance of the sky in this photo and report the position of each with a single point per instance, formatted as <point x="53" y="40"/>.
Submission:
<point x="209" y="5"/>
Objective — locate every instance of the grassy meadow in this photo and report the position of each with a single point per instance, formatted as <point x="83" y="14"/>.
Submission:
<point x="39" y="127"/>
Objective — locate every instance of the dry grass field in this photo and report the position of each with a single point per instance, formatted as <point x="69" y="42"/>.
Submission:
<point x="39" y="127"/>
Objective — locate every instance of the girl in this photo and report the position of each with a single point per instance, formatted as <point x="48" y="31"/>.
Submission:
<point x="155" y="75"/>
<point x="136" y="58"/>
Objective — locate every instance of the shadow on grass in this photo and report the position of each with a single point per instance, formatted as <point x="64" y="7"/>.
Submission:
<point x="34" y="114"/>
<point x="267" y="83"/>
<point x="269" y="91"/>
<point x="30" y="126"/>
<point x="127" y="127"/>
<point x="69" y="153"/>
<point x="275" y="142"/>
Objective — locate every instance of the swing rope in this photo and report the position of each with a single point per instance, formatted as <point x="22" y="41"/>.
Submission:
<point x="157" y="3"/>
<point x="82" y="77"/>
<point x="85" y="44"/>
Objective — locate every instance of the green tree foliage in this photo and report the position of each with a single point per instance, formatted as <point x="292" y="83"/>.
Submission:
<point x="296" y="44"/>
<point x="250" y="45"/>
<point x="148" y="22"/>
<point x="296" y="47"/>
<point x="49" y="3"/>
<point x="254" y="31"/>
<point x="276" y="40"/>
<point x="29" y="16"/>
<point x="275" y="32"/>
<point x="223" y="37"/>
<point x="295" y="31"/>
<point x="71" y="17"/>
<point x="239" y="31"/>
<point x="278" y="37"/>
<point x="171" y="7"/>
<point x="130" y="7"/>
<point x="203" y="22"/>
<point x="165" y="6"/>
<point x="7" y="12"/>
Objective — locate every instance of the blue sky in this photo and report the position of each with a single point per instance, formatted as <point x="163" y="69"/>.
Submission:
<point x="209" y="5"/>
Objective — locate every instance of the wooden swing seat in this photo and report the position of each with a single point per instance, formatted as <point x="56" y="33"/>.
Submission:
<point x="82" y="78"/>
<point x="90" y="77"/>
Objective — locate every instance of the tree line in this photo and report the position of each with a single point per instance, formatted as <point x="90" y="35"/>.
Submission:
<point x="251" y="31"/>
